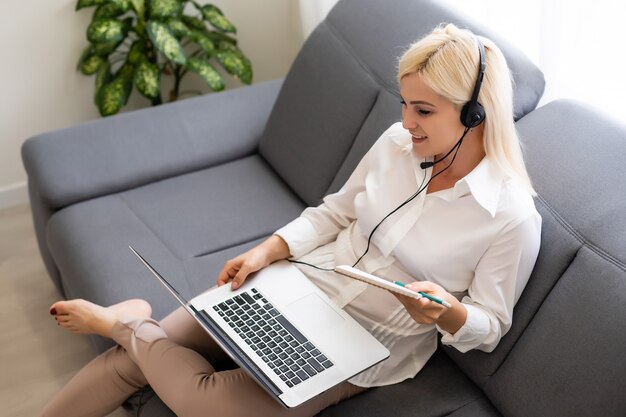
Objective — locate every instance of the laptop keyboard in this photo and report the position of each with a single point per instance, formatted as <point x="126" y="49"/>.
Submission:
<point x="287" y="351"/>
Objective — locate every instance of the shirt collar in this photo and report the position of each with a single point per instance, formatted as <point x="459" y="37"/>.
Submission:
<point x="402" y="138"/>
<point x="484" y="183"/>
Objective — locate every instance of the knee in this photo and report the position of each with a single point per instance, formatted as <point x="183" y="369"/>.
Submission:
<point x="118" y="362"/>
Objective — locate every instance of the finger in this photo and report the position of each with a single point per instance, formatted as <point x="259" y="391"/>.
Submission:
<point x="240" y="277"/>
<point x="227" y="273"/>
<point x="222" y="278"/>
<point x="418" y="286"/>
<point x="420" y="309"/>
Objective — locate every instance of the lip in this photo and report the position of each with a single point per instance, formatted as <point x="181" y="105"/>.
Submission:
<point x="417" y="140"/>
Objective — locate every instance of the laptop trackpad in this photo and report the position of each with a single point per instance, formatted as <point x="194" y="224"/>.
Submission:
<point x="315" y="312"/>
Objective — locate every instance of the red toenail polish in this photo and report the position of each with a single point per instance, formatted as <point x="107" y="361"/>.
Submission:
<point x="53" y="311"/>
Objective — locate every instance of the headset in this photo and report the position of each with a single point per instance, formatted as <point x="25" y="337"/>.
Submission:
<point x="472" y="115"/>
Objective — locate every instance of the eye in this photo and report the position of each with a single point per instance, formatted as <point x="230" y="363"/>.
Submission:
<point x="403" y="103"/>
<point x="423" y="112"/>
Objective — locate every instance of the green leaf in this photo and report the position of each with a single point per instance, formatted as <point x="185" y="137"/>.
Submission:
<point x="136" y="53"/>
<point x="216" y="18"/>
<point x="88" y="51"/>
<point x="207" y="72"/>
<point x="147" y="79"/>
<point x="111" y="97"/>
<point x="114" y="95"/>
<point x="178" y="28"/>
<point x="243" y="70"/>
<point x="236" y="64"/>
<point x="106" y="31"/>
<point x="103" y="76"/>
<point x="126" y="72"/>
<point x="166" y="42"/>
<point x="105" y="49"/>
<point x="112" y="9"/>
<point x="163" y="9"/>
<point x="91" y="64"/>
<point x="203" y="40"/>
<point x="194" y="22"/>
<point x="89" y="3"/>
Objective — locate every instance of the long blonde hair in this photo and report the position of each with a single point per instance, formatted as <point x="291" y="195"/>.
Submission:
<point x="447" y="60"/>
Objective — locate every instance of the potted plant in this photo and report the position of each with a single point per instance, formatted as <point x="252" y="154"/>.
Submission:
<point x="133" y="43"/>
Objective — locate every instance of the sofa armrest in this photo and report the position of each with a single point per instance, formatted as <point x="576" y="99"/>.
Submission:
<point x="128" y="150"/>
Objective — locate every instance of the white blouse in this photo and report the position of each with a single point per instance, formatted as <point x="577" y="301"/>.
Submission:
<point x="479" y="240"/>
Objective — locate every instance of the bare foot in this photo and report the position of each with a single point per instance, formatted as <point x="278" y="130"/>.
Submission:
<point x="83" y="317"/>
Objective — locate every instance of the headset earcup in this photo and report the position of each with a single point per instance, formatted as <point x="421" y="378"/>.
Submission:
<point x="472" y="114"/>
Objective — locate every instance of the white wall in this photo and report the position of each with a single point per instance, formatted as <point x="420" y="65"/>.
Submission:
<point x="41" y="90"/>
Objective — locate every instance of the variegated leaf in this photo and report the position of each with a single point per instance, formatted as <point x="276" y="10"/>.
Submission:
<point x="242" y="69"/>
<point x="88" y="51"/>
<point x="193" y="22"/>
<point x="81" y="4"/>
<point x="236" y="65"/>
<point x="106" y="31"/>
<point x="126" y="72"/>
<point x="214" y="16"/>
<point x="147" y="79"/>
<point x="203" y="40"/>
<point x="91" y="64"/>
<point x="103" y="76"/>
<point x="166" y="42"/>
<point x="114" y="95"/>
<point x="111" y="97"/>
<point x="207" y="72"/>
<point x="178" y="28"/>
<point x="246" y="74"/>
<point x="111" y="10"/>
<point x="105" y="49"/>
<point x="163" y="9"/>
<point x="136" y="52"/>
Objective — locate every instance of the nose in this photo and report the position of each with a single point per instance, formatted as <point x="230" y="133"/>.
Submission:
<point x="409" y="120"/>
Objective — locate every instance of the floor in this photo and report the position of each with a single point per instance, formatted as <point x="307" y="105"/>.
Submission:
<point x="36" y="356"/>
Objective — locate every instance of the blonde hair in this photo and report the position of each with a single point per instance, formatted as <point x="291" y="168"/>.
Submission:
<point x="447" y="60"/>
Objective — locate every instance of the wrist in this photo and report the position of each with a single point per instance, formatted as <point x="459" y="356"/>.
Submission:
<point x="454" y="318"/>
<point x="276" y="248"/>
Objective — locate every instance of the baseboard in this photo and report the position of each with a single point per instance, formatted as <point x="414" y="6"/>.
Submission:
<point x="13" y="195"/>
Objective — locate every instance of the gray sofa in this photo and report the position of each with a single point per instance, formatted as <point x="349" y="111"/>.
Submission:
<point x="194" y="183"/>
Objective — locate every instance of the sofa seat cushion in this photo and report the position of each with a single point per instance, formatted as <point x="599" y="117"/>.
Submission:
<point x="183" y="225"/>
<point x="215" y="208"/>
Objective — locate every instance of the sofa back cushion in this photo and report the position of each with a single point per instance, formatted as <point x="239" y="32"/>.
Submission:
<point x="564" y="354"/>
<point x="341" y="92"/>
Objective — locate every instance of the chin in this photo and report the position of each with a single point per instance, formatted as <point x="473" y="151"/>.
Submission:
<point x="420" y="152"/>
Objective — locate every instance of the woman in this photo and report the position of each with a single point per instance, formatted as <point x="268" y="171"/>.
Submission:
<point x="440" y="203"/>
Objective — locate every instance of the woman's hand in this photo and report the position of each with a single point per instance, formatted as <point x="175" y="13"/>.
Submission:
<point x="238" y="268"/>
<point x="425" y="311"/>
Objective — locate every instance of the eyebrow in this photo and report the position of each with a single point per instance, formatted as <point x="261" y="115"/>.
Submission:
<point x="421" y="102"/>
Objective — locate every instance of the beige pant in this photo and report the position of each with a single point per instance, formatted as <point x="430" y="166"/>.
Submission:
<point x="175" y="358"/>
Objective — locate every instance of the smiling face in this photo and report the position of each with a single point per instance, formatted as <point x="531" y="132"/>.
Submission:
<point x="433" y="121"/>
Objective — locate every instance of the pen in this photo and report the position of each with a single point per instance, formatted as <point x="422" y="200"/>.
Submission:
<point x="430" y="297"/>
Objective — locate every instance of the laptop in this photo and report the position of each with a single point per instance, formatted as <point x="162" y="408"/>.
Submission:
<point x="284" y="331"/>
